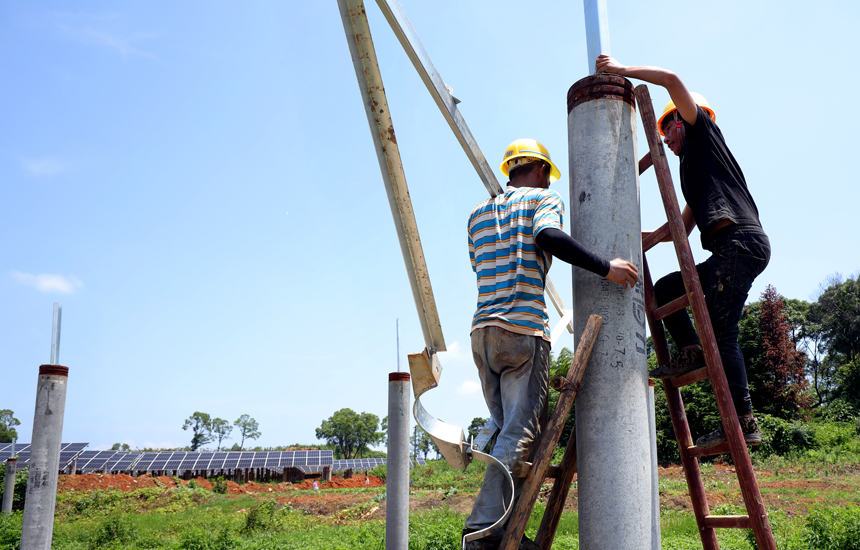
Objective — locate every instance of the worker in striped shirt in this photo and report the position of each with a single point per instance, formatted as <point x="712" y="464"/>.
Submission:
<point x="512" y="239"/>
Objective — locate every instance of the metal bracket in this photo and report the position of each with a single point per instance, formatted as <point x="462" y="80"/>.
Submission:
<point x="491" y="461"/>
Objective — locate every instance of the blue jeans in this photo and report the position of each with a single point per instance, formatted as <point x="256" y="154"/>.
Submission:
<point x="514" y="372"/>
<point x="740" y="254"/>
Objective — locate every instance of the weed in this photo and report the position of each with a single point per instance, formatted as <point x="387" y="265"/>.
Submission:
<point x="219" y="486"/>
<point x="116" y="530"/>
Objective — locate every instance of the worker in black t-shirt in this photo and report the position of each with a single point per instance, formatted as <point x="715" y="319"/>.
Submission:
<point x="720" y="205"/>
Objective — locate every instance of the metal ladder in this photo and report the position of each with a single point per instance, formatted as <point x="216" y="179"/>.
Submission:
<point x="756" y="518"/>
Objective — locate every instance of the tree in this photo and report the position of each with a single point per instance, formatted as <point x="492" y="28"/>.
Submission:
<point x="221" y="430"/>
<point x="475" y="427"/>
<point x="201" y="428"/>
<point x="349" y="431"/>
<point x="421" y="442"/>
<point x="120" y="447"/>
<point x="8" y="433"/>
<point x="248" y="428"/>
<point x="786" y="383"/>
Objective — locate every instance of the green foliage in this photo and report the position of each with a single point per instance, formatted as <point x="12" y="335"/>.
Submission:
<point x="834" y="528"/>
<point x="197" y="538"/>
<point x="115" y="531"/>
<point x="350" y="431"/>
<point x="559" y="366"/>
<point x="192" y="484"/>
<point x="441" y="529"/>
<point x="120" y="447"/>
<point x="10" y="531"/>
<point x="219" y="485"/>
<point x="8" y="433"/>
<point x="437" y="474"/>
<point x="783" y="438"/>
<point x="248" y="429"/>
<point x="262" y="517"/>
<point x="20" y="485"/>
<point x="839" y="410"/>
<point x="220" y="430"/>
<point x="201" y="428"/>
<point x="380" y="471"/>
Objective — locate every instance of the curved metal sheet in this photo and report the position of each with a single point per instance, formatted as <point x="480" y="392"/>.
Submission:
<point x="491" y="461"/>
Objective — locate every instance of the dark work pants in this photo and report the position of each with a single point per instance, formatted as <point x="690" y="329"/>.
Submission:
<point x="740" y="254"/>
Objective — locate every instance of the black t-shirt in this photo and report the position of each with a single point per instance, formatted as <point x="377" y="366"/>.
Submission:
<point x="711" y="180"/>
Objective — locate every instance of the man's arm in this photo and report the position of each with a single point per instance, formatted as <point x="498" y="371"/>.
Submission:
<point x="567" y="249"/>
<point x="684" y="102"/>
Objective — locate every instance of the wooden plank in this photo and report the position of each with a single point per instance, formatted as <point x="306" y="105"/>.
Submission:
<point x="689" y="378"/>
<point x="728" y="522"/>
<point x="521" y="469"/>
<point x="523" y="509"/>
<point x="645" y="163"/>
<point x="650" y="239"/>
<point x="558" y="495"/>
<point x="722" y="448"/>
<point x="675" y="305"/>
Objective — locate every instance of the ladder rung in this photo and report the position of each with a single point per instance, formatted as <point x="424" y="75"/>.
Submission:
<point x="521" y="470"/>
<point x="730" y="522"/>
<point x="671" y="307"/>
<point x="655" y="237"/>
<point x="690" y="378"/>
<point x="721" y="449"/>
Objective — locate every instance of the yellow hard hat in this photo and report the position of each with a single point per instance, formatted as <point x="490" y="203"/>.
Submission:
<point x="528" y="149"/>
<point x="700" y="101"/>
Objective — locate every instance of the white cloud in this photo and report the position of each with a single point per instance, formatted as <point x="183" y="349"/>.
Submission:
<point x="78" y="27"/>
<point x="456" y="353"/>
<point x="45" y="166"/>
<point x="468" y="387"/>
<point x="48" y="283"/>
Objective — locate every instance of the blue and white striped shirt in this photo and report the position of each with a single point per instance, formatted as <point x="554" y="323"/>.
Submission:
<point x="511" y="269"/>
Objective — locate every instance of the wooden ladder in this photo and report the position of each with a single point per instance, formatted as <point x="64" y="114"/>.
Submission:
<point x="756" y="518"/>
<point x="540" y="468"/>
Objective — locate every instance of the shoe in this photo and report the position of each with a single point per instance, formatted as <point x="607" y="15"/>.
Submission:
<point x="494" y="543"/>
<point x="528" y="544"/>
<point x="687" y="360"/>
<point x="482" y="544"/>
<point x="749" y="427"/>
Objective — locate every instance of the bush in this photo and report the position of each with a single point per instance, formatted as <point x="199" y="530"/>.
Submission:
<point x="219" y="486"/>
<point x="380" y="471"/>
<point x="781" y="437"/>
<point x="834" y="528"/>
<point x="10" y="531"/>
<point x="116" y="530"/>
<point x="262" y="518"/>
<point x="839" y="410"/>
<point x="200" y="539"/>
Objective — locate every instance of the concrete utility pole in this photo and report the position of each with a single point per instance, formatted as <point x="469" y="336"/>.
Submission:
<point x="9" y="485"/>
<point x="612" y="429"/>
<point x="397" y="468"/>
<point x="612" y="421"/>
<point x="38" y="526"/>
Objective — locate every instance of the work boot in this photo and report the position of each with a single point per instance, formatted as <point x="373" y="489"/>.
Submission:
<point x="749" y="427"/>
<point x="687" y="360"/>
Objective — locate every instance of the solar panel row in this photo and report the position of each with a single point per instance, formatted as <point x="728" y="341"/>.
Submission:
<point x="308" y="461"/>
<point x="368" y="463"/>
<point x="68" y="451"/>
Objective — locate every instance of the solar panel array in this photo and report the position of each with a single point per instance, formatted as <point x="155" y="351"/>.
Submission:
<point x="368" y="463"/>
<point x="68" y="451"/>
<point x="109" y="461"/>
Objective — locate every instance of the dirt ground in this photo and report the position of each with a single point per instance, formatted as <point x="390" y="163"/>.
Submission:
<point x="793" y="491"/>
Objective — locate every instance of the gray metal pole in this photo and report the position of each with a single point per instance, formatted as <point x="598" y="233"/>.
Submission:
<point x="655" y="479"/>
<point x="612" y="442"/>
<point x="55" y="334"/>
<point x="397" y="469"/>
<point x="9" y="485"/>
<point x="596" y="30"/>
<point x="38" y="527"/>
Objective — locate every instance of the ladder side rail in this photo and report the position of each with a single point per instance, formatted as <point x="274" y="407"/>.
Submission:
<point x="558" y="495"/>
<point x="743" y="464"/>
<point x="679" y="419"/>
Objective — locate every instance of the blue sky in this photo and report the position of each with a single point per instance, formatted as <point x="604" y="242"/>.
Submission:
<point x="196" y="185"/>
